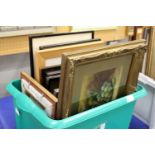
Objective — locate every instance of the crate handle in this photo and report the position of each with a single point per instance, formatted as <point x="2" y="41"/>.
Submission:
<point x="12" y="90"/>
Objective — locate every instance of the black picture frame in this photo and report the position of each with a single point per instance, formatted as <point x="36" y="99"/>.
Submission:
<point x="66" y="44"/>
<point x="31" y="37"/>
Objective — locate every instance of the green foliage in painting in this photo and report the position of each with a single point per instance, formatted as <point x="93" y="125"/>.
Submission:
<point x="101" y="96"/>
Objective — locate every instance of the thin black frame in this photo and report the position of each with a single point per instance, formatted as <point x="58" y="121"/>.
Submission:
<point x="66" y="44"/>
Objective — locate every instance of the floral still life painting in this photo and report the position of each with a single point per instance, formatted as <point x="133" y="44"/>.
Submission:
<point x="100" y="88"/>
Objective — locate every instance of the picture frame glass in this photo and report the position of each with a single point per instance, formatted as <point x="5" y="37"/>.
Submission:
<point x="99" y="82"/>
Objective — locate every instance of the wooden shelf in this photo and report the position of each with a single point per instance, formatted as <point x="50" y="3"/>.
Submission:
<point x="26" y="32"/>
<point x="13" y="45"/>
<point x="16" y="42"/>
<point x="103" y="28"/>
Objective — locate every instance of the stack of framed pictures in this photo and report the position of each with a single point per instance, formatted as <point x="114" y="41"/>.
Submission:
<point x="51" y="79"/>
<point x="81" y="72"/>
<point x="46" y="50"/>
<point x="52" y="57"/>
<point x="43" y="98"/>
<point x="40" y="42"/>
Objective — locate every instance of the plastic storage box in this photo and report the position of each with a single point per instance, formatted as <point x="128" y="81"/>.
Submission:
<point x="145" y="108"/>
<point x="113" y="115"/>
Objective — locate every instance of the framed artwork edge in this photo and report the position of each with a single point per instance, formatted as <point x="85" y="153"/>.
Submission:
<point x="41" y="90"/>
<point x="41" y="57"/>
<point x="72" y="62"/>
<point x="151" y="55"/>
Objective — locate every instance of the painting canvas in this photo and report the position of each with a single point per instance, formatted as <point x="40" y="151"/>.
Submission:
<point x="99" y="83"/>
<point x="100" y="88"/>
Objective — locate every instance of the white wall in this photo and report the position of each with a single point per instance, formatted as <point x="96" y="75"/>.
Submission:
<point x="10" y="68"/>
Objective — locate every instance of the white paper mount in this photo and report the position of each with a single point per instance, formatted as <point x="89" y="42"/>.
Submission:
<point x="27" y="87"/>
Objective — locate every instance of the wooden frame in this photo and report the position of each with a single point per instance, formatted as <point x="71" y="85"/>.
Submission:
<point x="150" y="60"/>
<point x="138" y="32"/>
<point x="40" y="40"/>
<point x="70" y="63"/>
<point x="42" y="97"/>
<point x="67" y="44"/>
<point x="44" y="55"/>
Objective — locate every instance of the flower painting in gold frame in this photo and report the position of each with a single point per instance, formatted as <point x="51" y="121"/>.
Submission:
<point x="90" y="78"/>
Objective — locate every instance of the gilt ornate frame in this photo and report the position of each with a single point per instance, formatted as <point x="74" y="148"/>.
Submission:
<point x="71" y="61"/>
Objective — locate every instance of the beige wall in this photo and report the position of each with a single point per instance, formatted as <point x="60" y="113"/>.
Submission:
<point x="61" y="29"/>
<point x="13" y="45"/>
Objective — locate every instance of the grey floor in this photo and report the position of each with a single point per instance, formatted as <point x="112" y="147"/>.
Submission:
<point x="10" y="68"/>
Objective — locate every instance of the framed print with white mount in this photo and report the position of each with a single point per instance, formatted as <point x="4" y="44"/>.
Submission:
<point x="90" y="78"/>
<point x="41" y="96"/>
<point x="52" y="57"/>
<point x="37" y="41"/>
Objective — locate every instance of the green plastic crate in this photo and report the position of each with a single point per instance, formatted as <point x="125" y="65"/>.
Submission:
<point x="113" y="115"/>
